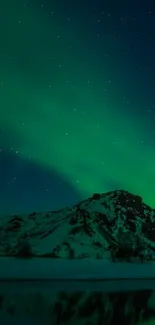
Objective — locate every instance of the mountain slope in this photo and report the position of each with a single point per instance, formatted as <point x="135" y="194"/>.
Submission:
<point x="114" y="225"/>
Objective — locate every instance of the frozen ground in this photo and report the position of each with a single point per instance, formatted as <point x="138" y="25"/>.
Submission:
<point x="67" y="274"/>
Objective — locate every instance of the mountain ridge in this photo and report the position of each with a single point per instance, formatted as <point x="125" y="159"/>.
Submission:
<point x="116" y="225"/>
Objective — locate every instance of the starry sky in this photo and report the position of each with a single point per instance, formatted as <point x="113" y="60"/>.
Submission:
<point x="77" y="101"/>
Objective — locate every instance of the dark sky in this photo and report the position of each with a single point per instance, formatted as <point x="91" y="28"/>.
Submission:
<point x="77" y="101"/>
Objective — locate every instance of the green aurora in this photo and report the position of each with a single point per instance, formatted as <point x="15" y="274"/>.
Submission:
<point x="65" y="113"/>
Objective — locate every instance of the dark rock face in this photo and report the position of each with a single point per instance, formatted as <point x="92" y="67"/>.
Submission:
<point x="117" y="226"/>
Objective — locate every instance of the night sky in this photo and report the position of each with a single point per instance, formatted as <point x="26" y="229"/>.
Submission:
<point x="77" y="101"/>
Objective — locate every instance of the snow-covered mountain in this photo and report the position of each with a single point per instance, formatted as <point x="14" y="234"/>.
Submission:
<point x="115" y="226"/>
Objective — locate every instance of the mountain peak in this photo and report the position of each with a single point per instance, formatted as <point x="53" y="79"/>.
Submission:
<point x="116" y="225"/>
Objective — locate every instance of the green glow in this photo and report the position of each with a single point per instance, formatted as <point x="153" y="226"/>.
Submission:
<point x="61" y="115"/>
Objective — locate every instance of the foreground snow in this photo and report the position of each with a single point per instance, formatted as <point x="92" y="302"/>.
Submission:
<point x="69" y="270"/>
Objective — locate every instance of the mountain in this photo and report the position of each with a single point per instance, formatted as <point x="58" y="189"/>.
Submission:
<point x="115" y="226"/>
